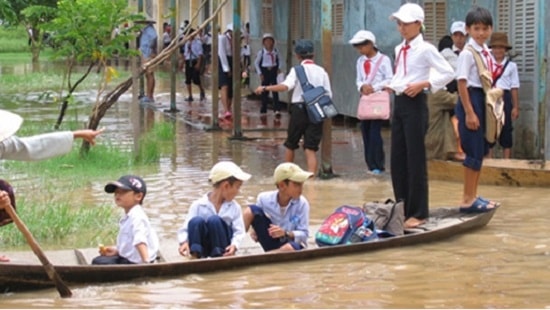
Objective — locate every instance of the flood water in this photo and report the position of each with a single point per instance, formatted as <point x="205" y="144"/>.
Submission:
<point x="503" y="265"/>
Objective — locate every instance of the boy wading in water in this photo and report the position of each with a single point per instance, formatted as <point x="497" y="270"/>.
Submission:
<point x="414" y="59"/>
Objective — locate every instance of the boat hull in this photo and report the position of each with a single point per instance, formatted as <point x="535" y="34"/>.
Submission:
<point x="18" y="277"/>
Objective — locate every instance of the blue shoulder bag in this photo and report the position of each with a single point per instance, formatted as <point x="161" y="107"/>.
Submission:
<point x="319" y="105"/>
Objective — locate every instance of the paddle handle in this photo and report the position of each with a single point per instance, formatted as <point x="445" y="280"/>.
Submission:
<point x="63" y="290"/>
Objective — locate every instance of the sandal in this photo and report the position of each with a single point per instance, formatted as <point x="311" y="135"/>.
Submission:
<point x="478" y="206"/>
<point x="490" y="202"/>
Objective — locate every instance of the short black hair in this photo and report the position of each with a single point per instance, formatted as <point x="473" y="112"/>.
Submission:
<point x="479" y="15"/>
<point x="445" y="42"/>
<point x="231" y="180"/>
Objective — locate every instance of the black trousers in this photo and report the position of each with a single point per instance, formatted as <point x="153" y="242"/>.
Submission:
<point x="270" y="78"/>
<point x="408" y="154"/>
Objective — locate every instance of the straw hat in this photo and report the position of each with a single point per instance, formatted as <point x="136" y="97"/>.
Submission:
<point x="499" y="39"/>
<point x="9" y="124"/>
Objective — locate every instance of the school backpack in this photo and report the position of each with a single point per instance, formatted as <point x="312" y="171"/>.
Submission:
<point x="347" y="224"/>
<point x="388" y="217"/>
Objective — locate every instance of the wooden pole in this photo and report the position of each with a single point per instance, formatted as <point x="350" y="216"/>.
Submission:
<point x="237" y="111"/>
<point x="214" y="70"/>
<point x="326" y="50"/>
<point x="63" y="289"/>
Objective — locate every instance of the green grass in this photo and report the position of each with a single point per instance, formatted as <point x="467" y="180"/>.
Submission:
<point x="58" y="224"/>
<point x="13" y="40"/>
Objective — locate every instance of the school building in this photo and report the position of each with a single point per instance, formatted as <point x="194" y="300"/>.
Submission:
<point x="288" y="20"/>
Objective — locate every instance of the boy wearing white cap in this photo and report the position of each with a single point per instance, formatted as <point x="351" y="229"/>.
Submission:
<point x="280" y="218"/>
<point x="374" y="71"/>
<point x="214" y="224"/>
<point x="458" y="34"/>
<point x="267" y="66"/>
<point x="415" y="58"/>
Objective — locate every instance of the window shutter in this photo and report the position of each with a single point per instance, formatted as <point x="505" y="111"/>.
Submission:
<point x="503" y="15"/>
<point x="523" y="37"/>
<point x="301" y="12"/>
<point x="267" y="16"/>
<point x="435" y="20"/>
<point x="337" y="20"/>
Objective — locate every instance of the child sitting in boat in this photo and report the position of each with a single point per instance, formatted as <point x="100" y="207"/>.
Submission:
<point x="280" y="218"/>
<point x="137" y="241"/>
<point x="214" y="224"/>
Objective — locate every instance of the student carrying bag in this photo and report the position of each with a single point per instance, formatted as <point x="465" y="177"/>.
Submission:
<point x="318" y="104"/>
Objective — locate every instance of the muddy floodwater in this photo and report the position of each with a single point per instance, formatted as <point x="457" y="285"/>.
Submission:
<point x="503" y="265"/>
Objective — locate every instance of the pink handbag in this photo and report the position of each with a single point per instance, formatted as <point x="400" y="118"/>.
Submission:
<point x="375" y="105"/>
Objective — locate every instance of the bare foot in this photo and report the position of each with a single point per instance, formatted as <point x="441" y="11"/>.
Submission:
<point x="4" y="259"/>
<point x="412" y="222"/>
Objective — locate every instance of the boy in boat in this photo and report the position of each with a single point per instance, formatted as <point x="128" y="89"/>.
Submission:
<point x="470" y="109"/>
<point x="36" y="147"/>
<point x="214" y="224"/>
<point x="280" y="218"/>
<point x="137" y="241"/>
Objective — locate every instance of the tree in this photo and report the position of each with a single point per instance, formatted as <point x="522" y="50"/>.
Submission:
<point x="86" y="31"/>
<point x="31" y="14"/>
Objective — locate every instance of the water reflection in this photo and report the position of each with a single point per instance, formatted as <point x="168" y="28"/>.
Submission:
<point x="503" y="265"/>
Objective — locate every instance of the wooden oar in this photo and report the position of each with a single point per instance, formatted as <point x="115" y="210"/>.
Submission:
<point x="63" y="290"/>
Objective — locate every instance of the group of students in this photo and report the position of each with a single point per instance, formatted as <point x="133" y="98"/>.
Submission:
<point x="215" y="224"/>
<point x="420" y="67"/>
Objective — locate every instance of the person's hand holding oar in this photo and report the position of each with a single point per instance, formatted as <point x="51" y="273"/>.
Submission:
<point x="5" y="204"/>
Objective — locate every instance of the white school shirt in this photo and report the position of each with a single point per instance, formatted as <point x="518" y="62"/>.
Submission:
<point x="383" y="74"/>
<point x="36" y="147"/>
<point x="230" y="212"/>
<point x="224" y="50"/>
<point x="192" y="49"/>
<point x="316" y="75"/>
<point x="295" y="217"/>
<point x="466" y="68"/>
<point x="510" y="77"/>
<point x="135" y="228"/>
<point x="421" y="57"/>
<point x="268" y="60"/>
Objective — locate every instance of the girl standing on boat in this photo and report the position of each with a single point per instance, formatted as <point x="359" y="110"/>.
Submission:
<point x="374" y="71"/>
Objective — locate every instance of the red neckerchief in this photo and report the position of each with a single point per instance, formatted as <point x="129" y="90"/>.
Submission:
<point x="308" y="61"/>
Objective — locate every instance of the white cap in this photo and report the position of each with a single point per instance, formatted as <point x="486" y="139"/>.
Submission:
<point x="229" y="27"/>
<point x="409" y="13"/>
<point x="227" y="169"/>
<point x="362" y="36"/>
<point x="9" y="124"/>
<point x="268" y="36"/>
<point x="291" y="172"/>
<point x="458" y="27"/>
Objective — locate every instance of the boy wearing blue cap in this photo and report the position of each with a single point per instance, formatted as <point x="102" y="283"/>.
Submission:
<point x="299" y="124"/>
<point x="137" y="242"/>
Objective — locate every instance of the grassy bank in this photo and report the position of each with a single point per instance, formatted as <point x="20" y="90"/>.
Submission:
<point x="13" y="40"/>
<point x="62" y="200"/>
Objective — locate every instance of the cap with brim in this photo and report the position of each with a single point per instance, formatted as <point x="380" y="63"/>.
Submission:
<point x="226" y="169"/>
<point x="458" y="27"/>
<point x="304" y="47"/>
<point x="409" y="13"/>
<point x="362" y="36"/>
<point x="268" y="36"/>
<point x="499" y="39"/>
<point x="229" y="27"/>
<point x="127" y="182"/>
<point x="291" y="172"/>
<point x="9" y="124"/>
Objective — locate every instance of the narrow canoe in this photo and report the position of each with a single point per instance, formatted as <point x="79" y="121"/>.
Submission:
<point x="505" y="172"/>
<point x="18" y="276"/>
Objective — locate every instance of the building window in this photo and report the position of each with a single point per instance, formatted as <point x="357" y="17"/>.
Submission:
<point x="301" y="21"/>
<point x="337" y="20"/>
<point x="435" y="20"/>
<point x="523" y="35"/>
<point x="267" y="16"/>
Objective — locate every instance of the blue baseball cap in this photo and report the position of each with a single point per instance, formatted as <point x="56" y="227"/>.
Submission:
<point x="304" y="47"/>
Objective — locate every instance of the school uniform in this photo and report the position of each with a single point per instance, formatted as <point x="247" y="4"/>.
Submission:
<point x="134" y="228"/>
<point x="507" y="81"/>
<point x="225" y="66"/>
<point x="37" y="147"/>
<point x="299" y="124"/>
<point x="294" y="217"/>
<point x="267" y="64"/>
<point x="473" y="141"/>
<point x="208" y="232"/>
<point x="410" y="122"/>
<point x="192" y="52"/>
<point x="373" y="144"/>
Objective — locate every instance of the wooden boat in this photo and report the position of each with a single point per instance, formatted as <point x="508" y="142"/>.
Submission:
<point x="18" y="275"/>
<point x="506" y="172"/>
